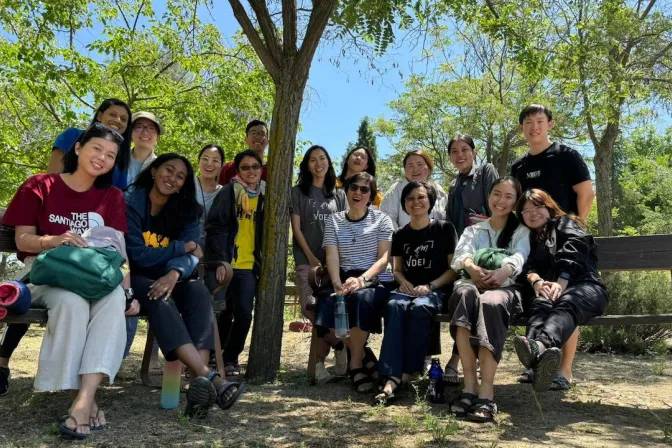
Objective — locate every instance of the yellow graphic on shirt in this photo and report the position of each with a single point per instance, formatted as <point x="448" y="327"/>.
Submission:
<point x="243" y="251"/>
<point x="154" y="240"/>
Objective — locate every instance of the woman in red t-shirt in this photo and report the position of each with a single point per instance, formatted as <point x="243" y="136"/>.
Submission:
<point x="84" y="340"/>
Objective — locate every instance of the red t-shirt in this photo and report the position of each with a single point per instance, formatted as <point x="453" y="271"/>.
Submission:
<point x="229" y="171"/>
<point x="46" y="202"/>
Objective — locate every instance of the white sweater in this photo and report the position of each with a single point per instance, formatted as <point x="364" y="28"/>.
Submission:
<point x="482" y="235"/>
<point x="392" y="204"/>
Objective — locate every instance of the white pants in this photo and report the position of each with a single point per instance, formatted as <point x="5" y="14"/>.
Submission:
<point x="81" y="337"/>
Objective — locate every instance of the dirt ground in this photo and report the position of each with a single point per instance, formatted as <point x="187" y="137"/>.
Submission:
<point x="617" y="401"/>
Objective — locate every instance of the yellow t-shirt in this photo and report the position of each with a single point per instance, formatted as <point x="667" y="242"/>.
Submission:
<point x="243" y="252"/>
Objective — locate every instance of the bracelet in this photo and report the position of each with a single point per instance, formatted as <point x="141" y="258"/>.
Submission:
<point x="42" y="242"/>
<point x="536" y="281"/>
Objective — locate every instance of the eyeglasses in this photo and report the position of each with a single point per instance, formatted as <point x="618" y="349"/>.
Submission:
<point x="207" y="160"/>
<point x="363" y="189"/>
<point x="420" y="197"/>
<point x="258" y="134"/>
<point x="254" y="167"/>
<point x="100" y="126"/>
<point x="529" y="211"/>
<point x="150" y="129"/>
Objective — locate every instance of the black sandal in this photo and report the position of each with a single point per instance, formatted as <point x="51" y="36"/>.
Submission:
<point x="370" y="357"/>
<point x="546" y="369"/>
<point x="235" y="371"/>
<point x="201" y="395"/>
<point x="362" y="381"/>
<point x="232" y="397"/>
<point x="527" y="351"/>
<point x="526" y="377"/>
<point x="71" y="432"/>
<point x="483" y="405"/>
<point x="464" y="405"/>
<point x="384" y="398"/>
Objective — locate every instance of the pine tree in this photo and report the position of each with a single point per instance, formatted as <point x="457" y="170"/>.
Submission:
<point x="365" y="138"/>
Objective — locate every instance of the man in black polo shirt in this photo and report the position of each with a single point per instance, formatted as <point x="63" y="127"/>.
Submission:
<point x="561" y="172"/>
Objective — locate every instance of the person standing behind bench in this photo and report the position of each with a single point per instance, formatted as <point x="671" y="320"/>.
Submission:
<point x="256" y="139"/>
<point x="562" y="173"/>
<point x="313" y="200"/>
<point x="359" y="160"/>
<point x="163" y="252"/>
<point x="234" y="232"/>
<point x="84" y="340"/>
<point x="210" y="161"/>
<point x="562" y="269"/>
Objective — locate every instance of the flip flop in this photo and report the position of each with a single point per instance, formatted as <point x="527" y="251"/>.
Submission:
<point x="69" y="432"/>
<point x="227" y="403"/>
<point x="546" y="369"/>
<point x="98" y="427"/>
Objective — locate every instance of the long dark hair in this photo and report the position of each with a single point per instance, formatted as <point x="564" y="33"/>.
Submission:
<point x="370" y="166"/>
<point x="124" y="156"/>
<point x="306" y="177"/>
<point x="466" y="138"/>
<point x="181" y="207"/>
<point x="540" y="197"/>
<point x="96" y="130"/>
<point x="512" y="221"/>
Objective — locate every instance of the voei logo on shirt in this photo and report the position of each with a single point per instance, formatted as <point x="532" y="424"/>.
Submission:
<point x="317" y="215"/>
<point x="79" y="222"/>
<point x="418" y="255"/>
<point x="534" y="174"/>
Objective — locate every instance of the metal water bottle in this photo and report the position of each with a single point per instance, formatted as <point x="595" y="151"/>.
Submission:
<point x="435" y="389"/>
<point x="342" y="324"/>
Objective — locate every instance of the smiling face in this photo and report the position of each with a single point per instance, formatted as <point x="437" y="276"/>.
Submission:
<point x="358" y="162"/>
<point x="462" y="156"/>
<point x="145" y="134"/>
<point x="249" y="170"/>
<point x="416" y="168"/>
<point x="502" y="199"/>
<point x="115" y="118"/>
<point x="257" y="139"/>
<point x="535" y="128"/>
<point x="97" y="156"/>
<point x="357" y="198"/>
<point x="417" y="202"/>
<point x="210" y="163"/>
<point x="169" y="177"/>
<point x="535" y="216"/>
<point x="318" y="164"/>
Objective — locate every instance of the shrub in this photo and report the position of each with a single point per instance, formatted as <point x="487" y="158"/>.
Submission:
<point x="632" y="293"/>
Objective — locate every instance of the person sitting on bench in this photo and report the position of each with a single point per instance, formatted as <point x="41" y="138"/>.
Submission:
<point x="162" y="215"/>
<point x="562" y="270"/>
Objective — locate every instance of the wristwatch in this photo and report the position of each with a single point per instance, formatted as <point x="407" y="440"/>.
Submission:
<point x="366" y="279"/>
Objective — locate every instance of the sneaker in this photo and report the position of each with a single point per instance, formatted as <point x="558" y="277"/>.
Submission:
<point x="341" y="358"/>
<point x="321" y="374"/>
<point x="428" y="365"/>
<point x="4" y="380"/>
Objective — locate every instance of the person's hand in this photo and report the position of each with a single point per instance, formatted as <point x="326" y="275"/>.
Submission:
<point x="353" y="284"/>
<point x="198" y="252"/>
<point x="421" y="290"/>
<point x="406" y="287"/>
<point x="163" y="287"/>
<point x="542" y="290"/>
<point x="555" y="290"/>
<point x="496" y="278"/>
<point x="338" y="287"/>
<point x="133" y="309"/>
<point x="221" y="274"/>
<point x="190" y="246"/>
<point x="477" y="273"/>
<point x="314" y="261"/>
<point x="68" y="239"/>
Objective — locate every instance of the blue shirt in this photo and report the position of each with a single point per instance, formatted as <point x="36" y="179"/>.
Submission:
<point x="66" y="141"/>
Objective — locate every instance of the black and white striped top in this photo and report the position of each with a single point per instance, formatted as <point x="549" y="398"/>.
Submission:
<point x="357" y="241"/>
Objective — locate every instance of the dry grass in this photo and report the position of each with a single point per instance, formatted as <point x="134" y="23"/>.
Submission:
<point x="617" y="402"/>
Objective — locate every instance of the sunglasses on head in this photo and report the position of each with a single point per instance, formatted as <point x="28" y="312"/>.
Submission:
<point x="102" y="127"/>
<point x="363" y="189"/>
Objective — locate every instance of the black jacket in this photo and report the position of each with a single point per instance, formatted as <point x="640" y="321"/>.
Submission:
<point x="221" y="229"/>
<point x="566" y="248"/>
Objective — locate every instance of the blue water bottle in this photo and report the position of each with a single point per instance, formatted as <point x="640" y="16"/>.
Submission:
<point x="342" y="327"/>
<point x="435" y="389"/>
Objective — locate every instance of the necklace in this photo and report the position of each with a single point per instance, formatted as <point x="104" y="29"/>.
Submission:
<point x="352" y="230"/>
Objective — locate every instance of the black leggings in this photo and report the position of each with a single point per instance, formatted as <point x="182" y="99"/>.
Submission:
<point x="11" y="339"/>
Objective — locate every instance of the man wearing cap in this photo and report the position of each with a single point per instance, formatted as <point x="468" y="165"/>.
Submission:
<point x="146" y="130"/>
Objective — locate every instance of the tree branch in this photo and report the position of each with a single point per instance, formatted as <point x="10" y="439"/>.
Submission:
<point x="648" y="9"/>
<point x="289" y="33"/>
<point x="322" y="10"/>
<point x="272" y="65"/>
<point x="82" y="100"/>
<point x="491" y="7"/>
<point x="123" y="16"/>
<point x="137" y="16"/>
<point x="267" y="28"/>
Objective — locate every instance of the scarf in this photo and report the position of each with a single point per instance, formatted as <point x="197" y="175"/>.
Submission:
<point x="243" y="193"/>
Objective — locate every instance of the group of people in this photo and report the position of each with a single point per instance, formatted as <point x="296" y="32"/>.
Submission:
<point x="485" y="252"/>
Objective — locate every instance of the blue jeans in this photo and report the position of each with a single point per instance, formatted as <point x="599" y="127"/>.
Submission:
<point x="131" y="329"/>
<point x="243" y="290"/>
<point x="408" y="321"/>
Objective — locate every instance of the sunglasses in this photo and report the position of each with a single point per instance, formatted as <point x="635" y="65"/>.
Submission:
<point x="355" y="187"/>
<point x="100" y="126"/>
<point x="254" y="167"/>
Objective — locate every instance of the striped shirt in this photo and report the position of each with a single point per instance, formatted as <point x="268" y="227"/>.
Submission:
<point x="357" y="241"/>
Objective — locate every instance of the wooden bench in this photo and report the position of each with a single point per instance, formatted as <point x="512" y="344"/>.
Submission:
<point x="628" y="253"/>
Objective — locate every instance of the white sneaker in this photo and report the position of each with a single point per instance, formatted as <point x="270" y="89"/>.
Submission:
<point x="321" y="374"/>
<point x="341" y="358"/>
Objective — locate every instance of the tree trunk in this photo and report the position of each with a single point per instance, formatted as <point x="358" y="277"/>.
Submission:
<point x="266" y="344"/>
<point x="604" y="154"/>
<point x="503" y="162"/>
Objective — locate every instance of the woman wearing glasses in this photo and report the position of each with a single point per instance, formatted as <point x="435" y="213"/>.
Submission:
<point x="146" y="130"/>
<point x="568" y="291"/>
<point x="85" y="339"/>
<point x="357" y="243"/>
<point x="233" y="235"/>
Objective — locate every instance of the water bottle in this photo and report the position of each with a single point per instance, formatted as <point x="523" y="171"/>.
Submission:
<point x="172" y="380"/>
<point x="435" y="389"/>
<point x="342" y="327"/>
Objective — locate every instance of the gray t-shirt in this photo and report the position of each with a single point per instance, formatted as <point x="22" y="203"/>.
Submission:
<point x="133" y="172"/>
<point x="313" y="210"/>
<point x="205" y="199"/>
